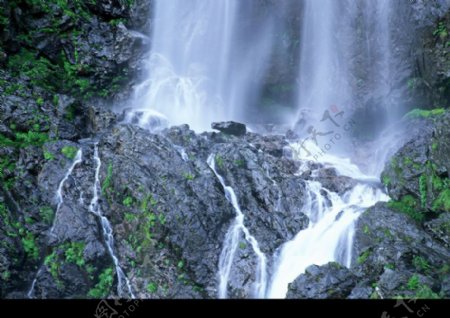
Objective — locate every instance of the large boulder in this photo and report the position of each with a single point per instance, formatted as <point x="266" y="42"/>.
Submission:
<point x="329" y="281"/>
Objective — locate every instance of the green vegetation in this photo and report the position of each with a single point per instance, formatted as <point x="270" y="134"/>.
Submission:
<point x="15" y="229"/>
<point x="421" y="264"/>
<point x="103" y="287"/>
<point x="390" y="266"/>
<point x="30" y="246"/>
<point x="7" y="167"/>
<point x="363" y="257"/>
<point x="107" y="183"/>
<point x="188" y="176"/>
<point x="242" y="245"/>
<point x="422" y="291"/>
<point x="423" y="190"/>
<point x="366" y="229"/>
<point x="441" y="30"/>
<point x="152" y="287"/>
<point x="240" y="163"/>
<point x="74" y="253"/>
<point x="128" y="202"/>
<point x="219" y="162"/>
<point x="48" y="155"/>
<point x="47" y="214"/>
<point x="69" y="152"/>
<point x="421" y="113"/>
<point x="409" y="206"/>
<point x="413" y="83"/>
<point x="443" y="201"/>
<point x="142" y="237"/>
<point x="386" y="180"/>
<point x="413" y="282"/>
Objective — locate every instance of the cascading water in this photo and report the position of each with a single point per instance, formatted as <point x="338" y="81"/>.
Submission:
<point x="231" y="243"/>
<point x="123" y="284"/>
<point x="59" y="191"/>
<point x="203" y="66"/>
<point x="329" y="236"/>
<point x="60" y="200"/>
<point x="213" y="71"/>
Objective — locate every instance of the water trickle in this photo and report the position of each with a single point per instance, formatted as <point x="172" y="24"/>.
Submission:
<point x="30" y="293"/>
<point x="124" y="289"/>
<point x="59" y="192"/>
<point x="231" y="242"/>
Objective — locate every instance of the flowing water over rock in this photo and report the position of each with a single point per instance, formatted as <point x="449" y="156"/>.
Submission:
<point x="123" y="284"/>
<point x="231" y="243"/>
<point x="59" y="193"/>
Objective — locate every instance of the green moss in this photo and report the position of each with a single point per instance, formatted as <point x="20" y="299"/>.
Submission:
<point x="128" y="202"/>
<point x="422" y="291"/>
<point x="425" y="292"/>
<point x="408" y="205"/>
<point x="188" y="176"/>
<point x="48" y="155"/>
<point x="47" y="214"/>
<point x="242" y="245"/>
<point x="443" y="201"/>
<point x="51" y="261"/>
<point x="30" y="246"/>
<point x="421" y="113"/>
<point x="421" y="264"/>
<point x="107" y="183"/>
<point x="74" y="253"/>
<point x="69" y="152"/>
<point x="6" y="275"/>
<point x="366" y="229"/>
<point x="152" y="287"/>
<point x="220" y="162"/>
<point x="240" y="163"/>
<point x="386" y="180"/>
<point x="423" y="190"/>
<point x="363" y="257"/>
<point x="104" y="285"/>
<point x="413" y="282"/>
<point x="390" y="266"/>
<point x="434" y="146"/>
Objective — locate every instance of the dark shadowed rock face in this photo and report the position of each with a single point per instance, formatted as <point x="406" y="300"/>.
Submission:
<point x="390" y="250"/>
<point x="417" y="176"/>
<point x="230" y="128"/>
<point x="323" y="282"/>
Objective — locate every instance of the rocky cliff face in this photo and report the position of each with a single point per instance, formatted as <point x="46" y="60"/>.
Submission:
<point x="61" y="64"/>
<point x="400" y="247"/>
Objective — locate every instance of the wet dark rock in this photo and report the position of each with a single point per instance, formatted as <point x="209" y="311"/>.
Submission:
<point x="418" y="174"/>
<point x="110" y="8"/>
<point x="230" y="128"/>
<point x="440" y="229"/>
<point x="323" y="282"/>
<point x="390" y="249"/>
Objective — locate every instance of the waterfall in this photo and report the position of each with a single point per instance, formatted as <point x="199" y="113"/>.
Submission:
<point x="123" y="284"/>
<point x="329" y="236"/>
<point x="206" y="63"/>
<point x="231" y="242"/>
<point x="346" y="60"/>
<point x="59" y="191"/>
